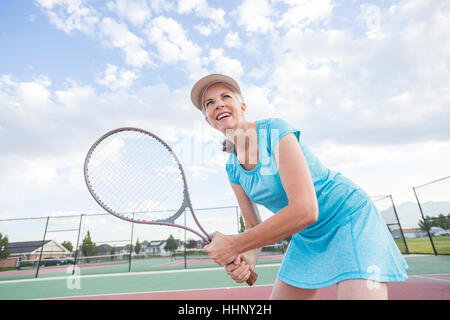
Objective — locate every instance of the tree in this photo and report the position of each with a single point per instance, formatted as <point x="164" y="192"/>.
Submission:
<point x="241" y="224"/>
<point x="68" y="245"/>
<point x="88" y="247"/>
<point x="171" y="244"/>
<point x="137" y="247"/>
<point x="4" y="251"/>
<point x="439" y="221"/>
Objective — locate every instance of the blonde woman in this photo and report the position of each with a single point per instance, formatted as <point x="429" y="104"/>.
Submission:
<point x="338" y="236"/>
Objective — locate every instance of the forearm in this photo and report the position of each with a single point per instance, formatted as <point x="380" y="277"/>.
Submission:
<point x="286" y="222"/>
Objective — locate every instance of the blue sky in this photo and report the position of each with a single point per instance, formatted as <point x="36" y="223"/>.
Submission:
<point x="365" y="81"/>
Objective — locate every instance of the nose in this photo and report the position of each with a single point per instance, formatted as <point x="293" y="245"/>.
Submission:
<point x="220" y="104"/>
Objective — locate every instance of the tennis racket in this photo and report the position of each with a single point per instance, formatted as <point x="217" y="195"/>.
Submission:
<point x="135" y="176"/>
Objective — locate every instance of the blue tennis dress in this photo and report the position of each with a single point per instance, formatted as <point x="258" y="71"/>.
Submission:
<point x="349" y="240"/>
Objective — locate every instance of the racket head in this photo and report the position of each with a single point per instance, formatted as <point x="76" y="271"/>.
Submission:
<point x="134" y="175"/>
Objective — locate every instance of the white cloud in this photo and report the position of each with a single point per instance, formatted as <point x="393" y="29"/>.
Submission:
<point x="207" y="30"/>
<point x="223" y="64"/>
<point x="35" y="94"/>
<point x="25" y="97"/>
<point x="203" y="10"/>
<point x="135" y="11"/>
<point x="117" y="35"/>
<point x="70" y="15"/>
<point x="304" y="12"/>
<point x="116" y="78"/>
<point x="173" y="45"/>
<point x="357" y="89"/>
<point x="255" y="15"/>
<point x="232" y="40"/>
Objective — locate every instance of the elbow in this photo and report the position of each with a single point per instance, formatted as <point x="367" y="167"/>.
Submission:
<point x="307" y="215"/>
<point x="313" y="215"/>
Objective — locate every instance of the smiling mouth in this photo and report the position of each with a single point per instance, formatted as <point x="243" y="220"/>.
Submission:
<point x="223" y="115"/>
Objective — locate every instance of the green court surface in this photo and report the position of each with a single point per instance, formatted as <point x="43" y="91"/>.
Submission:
<point x="64" y="285"/>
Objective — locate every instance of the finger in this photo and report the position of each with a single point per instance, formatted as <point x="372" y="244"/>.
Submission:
<point x="242" y="269"/>
<point x="234" y="269"/>
<point x="243" y="276"/>
<point x="231" y="267"/>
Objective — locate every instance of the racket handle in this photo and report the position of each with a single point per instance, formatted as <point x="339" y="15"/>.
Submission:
<point x="252" y="279"/>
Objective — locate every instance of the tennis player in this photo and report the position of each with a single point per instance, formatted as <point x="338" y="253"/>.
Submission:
<point x="338" y="235"/>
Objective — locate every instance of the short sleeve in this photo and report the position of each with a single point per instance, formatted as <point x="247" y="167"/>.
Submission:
<point x="232" y="171"/>
<point x="278" y="129"/>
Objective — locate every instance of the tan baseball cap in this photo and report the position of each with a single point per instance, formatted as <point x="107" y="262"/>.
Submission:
<point x="204" y="83"/>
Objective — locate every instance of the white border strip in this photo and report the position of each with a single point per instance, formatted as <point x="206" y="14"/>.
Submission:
<point x="150" y="292"/>
<point x="129" y="274"/>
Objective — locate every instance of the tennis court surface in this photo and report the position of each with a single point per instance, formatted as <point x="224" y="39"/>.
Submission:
<point x="429" y="279"/>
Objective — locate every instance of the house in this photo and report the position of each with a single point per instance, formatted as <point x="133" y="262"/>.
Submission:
<point x="104" y="249"/>
<point x="157" y="247"/>
<point x="31" y="250"/>
<point x="413" y="233"/>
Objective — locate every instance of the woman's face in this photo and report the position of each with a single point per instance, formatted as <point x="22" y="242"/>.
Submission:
<point x="223" y="110"/>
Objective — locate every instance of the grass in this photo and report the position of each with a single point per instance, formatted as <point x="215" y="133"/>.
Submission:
<point x="423" y="245"/>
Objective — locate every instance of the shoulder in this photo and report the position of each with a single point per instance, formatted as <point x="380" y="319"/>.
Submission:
<point x="278" y="123"/>
<point x="277" y="128"/>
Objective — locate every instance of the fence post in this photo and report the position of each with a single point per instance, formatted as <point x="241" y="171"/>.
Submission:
<point x="131" y="245"/>
<point x="237" y="218"/>
<point x="42" y="248"/>
<point x="425" y="222"/>
<point x="77" y="247"/>
<point x="398" y="220"/>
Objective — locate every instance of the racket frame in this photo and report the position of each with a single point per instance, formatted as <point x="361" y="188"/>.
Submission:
<point x="164" y="222"/>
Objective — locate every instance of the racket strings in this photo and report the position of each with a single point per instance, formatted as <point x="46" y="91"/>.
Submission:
<point x="134" y="175"/>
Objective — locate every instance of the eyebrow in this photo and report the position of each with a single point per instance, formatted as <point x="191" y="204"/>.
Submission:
<point x="222" y="94"/>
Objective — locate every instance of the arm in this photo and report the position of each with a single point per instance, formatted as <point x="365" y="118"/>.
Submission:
<point x="239" y="269"/>
<point x="301" y="211"/>
<point x="251" y="217"/>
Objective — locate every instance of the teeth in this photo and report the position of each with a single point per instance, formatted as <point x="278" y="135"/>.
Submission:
<point x="222" y="115"/>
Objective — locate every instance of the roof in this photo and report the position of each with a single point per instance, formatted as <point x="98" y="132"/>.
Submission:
<point x="156" y="243"/>
<point x="25" y="246"/>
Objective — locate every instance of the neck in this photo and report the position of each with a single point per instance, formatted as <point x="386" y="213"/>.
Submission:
<point x="244" y="137"/>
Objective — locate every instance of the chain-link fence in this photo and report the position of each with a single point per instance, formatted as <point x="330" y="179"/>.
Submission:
<point x="433" y="200"/>
<point x="386" y="206"/>
<point x="101" y="243"/>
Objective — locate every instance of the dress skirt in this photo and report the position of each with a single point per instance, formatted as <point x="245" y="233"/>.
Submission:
<point x="350" y="240"/>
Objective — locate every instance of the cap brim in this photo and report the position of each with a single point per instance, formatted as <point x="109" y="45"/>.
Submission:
<point x="205" y="82"/>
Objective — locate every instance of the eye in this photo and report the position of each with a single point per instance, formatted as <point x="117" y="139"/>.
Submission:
<point x="208" y="103"/>
<point x="227" y="96"/>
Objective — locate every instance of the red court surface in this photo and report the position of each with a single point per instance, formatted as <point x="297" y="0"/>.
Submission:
<point x="426" y="287"/>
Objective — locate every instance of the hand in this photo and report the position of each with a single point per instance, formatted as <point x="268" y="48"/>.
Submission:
<point x="239" y="269"/>
<point x="221" y="249"/>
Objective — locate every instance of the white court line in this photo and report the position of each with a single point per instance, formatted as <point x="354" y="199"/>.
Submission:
<point x="431" y="278"/>
<point x="150" y="292"/>
<point x="129" y="274"/>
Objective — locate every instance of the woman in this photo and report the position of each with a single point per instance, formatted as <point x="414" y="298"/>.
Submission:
<point x="338" y="236"/>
